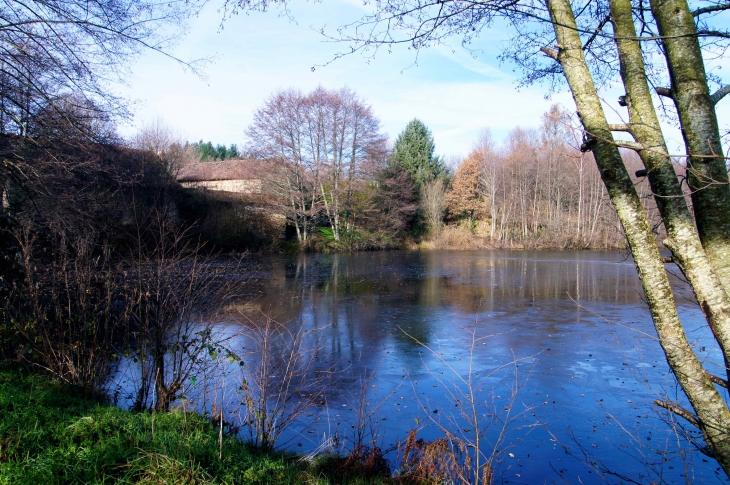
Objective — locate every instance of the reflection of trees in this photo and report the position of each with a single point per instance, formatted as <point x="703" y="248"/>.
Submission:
<point x="360" y="302"/>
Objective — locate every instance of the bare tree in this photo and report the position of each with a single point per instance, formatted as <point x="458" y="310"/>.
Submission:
<point x="433" y="204"/>
<point x="50" y="49"/>
<point x="156" y="137"/>
<point x="319" y="143"/>
<point x="489" y="172"/>
<point x="164" y="142"/>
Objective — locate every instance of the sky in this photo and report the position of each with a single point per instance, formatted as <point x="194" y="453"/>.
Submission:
<point x="251" y="56"/>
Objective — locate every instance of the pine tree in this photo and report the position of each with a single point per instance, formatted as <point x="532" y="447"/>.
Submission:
<point x="220" y="152"/>
<point x="413" y="153"/>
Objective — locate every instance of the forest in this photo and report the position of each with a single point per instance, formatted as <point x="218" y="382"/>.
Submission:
<point x="344" y="186"/>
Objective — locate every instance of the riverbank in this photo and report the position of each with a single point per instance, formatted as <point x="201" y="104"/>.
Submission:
<point x="455" y="236"/>
<point x="50" y="434"/>
<point x="478" y="236"/>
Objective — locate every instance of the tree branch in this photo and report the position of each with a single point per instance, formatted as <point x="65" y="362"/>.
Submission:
<point x="666" y="92"/>
<point x="713" y="33"/>
<point x="711" y="8"/>
<point x="718" y="381"/>
<point x="679" y="411"/>
<point x="620" y="127"/>
<point x="631" y="145"/>
<point x="549" y="52"/>
<point x="597" y="31"/>
<point x="720" y="93"/>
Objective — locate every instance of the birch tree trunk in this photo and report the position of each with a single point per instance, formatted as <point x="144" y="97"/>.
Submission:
<point x="683" y="239"/>
<point x="713" y="415"/>
<point x="706" y="170"/>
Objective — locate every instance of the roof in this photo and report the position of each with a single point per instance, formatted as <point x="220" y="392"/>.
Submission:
<point x="226" y="170"/>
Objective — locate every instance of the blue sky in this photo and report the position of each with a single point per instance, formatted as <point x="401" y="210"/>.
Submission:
<point x="455" y="94"/>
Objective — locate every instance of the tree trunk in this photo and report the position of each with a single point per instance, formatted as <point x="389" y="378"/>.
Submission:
<point x="683" y="240"/>
<point x="707" y="173"/>
<point x="162" y="393"/>
<point x="707" y="402"/>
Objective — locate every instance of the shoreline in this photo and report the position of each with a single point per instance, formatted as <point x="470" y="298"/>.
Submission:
<point x="52" y="434"/>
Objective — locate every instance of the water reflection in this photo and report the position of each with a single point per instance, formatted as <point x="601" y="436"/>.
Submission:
<point x="366" y="299"/>
<point x="577" y="319"/>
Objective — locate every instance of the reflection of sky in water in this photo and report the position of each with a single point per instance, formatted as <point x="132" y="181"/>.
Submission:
<point x="591" y="368"/>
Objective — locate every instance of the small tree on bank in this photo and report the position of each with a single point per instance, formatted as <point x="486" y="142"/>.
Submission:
<point x="433" y="204"/>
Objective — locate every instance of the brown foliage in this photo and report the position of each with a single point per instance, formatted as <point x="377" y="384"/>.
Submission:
<point x="362" y="462"/>
<point x="465" y="199"/>
<point x="457" y="237"/>
<point x="444" y="460"/>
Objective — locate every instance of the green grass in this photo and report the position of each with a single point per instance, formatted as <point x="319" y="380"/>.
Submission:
<point x="52" y="435"/>
<point x="326" y="232"/>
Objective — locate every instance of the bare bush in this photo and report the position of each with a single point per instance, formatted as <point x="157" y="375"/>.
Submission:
<point x="444" y="460"/>
<point x="65" y="207"/>
<point x="279" y="379"/>
<point x="68" y="311"/>
<point x="175" y="293"/>
<point x="475" y="435"/>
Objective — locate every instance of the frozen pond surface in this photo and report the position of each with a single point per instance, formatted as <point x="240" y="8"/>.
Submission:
<point x="588" y="364"/>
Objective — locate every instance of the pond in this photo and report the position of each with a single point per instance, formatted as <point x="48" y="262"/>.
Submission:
<point x="565" y="364"/>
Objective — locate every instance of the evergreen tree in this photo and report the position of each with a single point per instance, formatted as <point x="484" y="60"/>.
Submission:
<point x="206" y="151"/>
<point x="413" y="152"/>
<point x="220" y="152"/>
<point x="209" y="152"/>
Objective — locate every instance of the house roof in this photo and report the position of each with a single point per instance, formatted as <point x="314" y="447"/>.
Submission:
<point x="226" y="170"/>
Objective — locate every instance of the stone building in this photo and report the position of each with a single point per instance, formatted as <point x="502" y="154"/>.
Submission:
<point x="231" y="176"/>
<point x="238" y="210"/>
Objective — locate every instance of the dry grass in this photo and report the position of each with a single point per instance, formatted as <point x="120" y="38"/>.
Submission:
<point x="456" y="237"/>
<point x="444" y="460"/>
<point x="363" y="464"/>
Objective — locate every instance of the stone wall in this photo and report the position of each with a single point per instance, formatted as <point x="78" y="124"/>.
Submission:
<point x="235" y="186"/>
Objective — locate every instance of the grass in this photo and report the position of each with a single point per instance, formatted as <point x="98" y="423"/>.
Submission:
<point x="50" y="434"/>
<point x="323" y="241"/>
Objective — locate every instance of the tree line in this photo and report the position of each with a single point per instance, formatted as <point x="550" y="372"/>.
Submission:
<point x="538" y="190"/>
<point x="332" y="168"/>
<point x="207" y="152"/>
